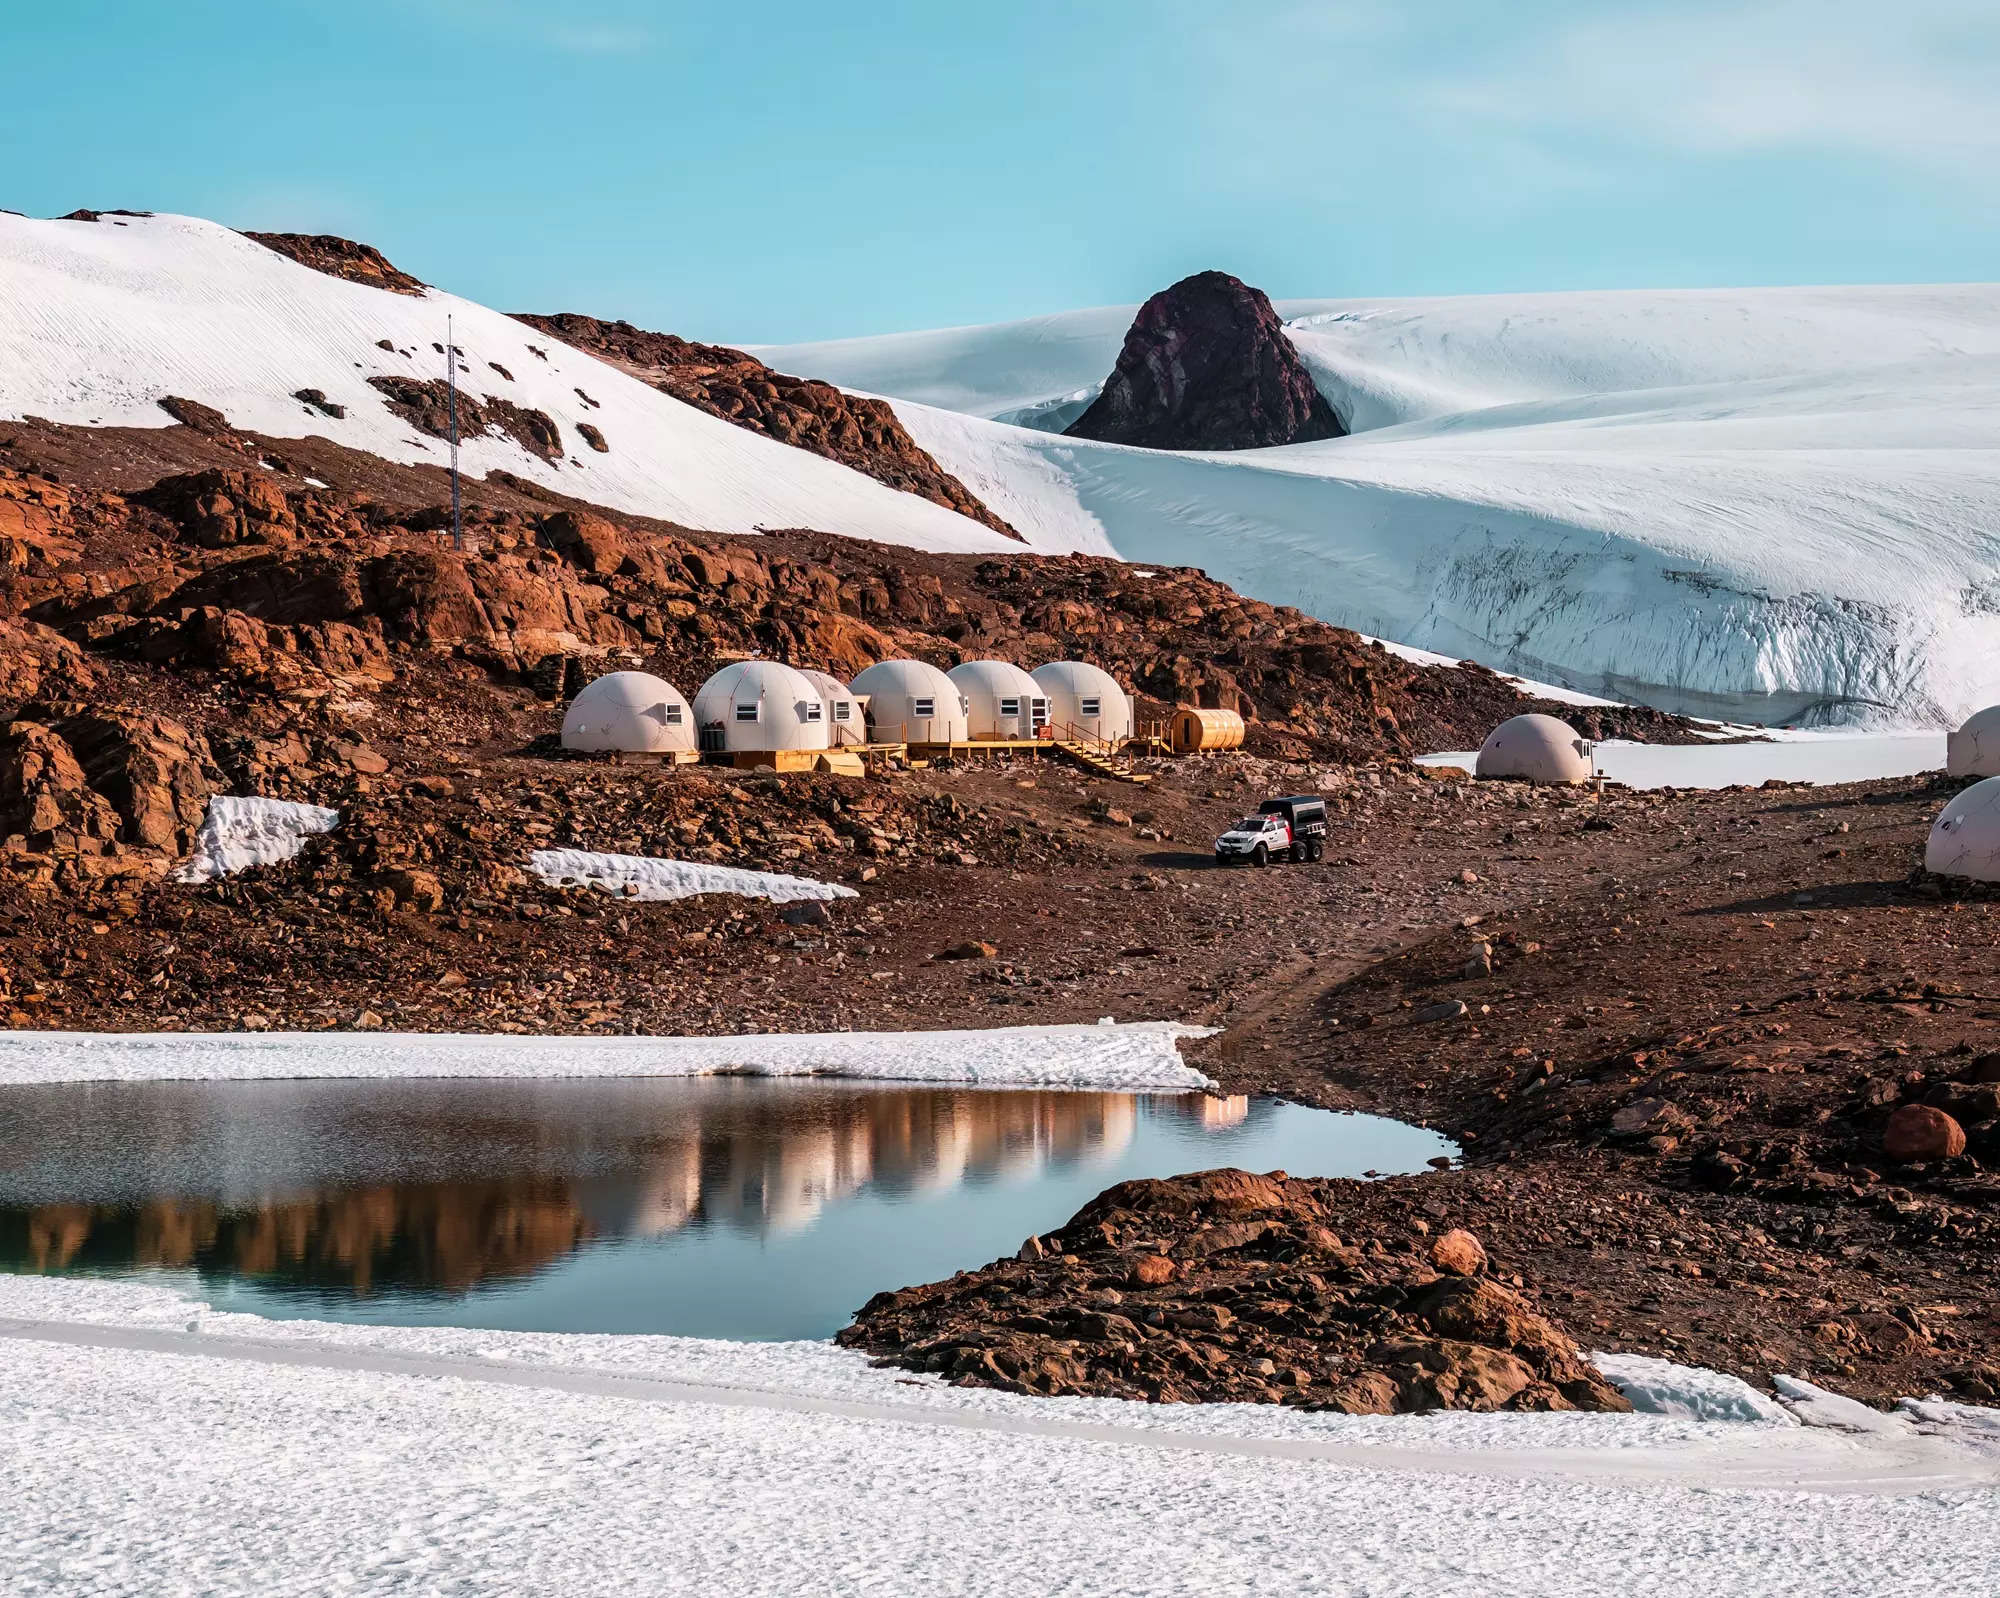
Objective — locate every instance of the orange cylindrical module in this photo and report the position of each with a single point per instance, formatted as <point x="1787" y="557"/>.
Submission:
<point x="1197" y="731"/>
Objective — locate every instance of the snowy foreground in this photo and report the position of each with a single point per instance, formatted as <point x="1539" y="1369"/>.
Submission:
<point x="1133" y="1056"/>
<point x="1757" y="504"/>
<point x="150" y="1445"/>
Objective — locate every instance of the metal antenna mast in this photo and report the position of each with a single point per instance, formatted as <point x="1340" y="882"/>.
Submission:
<point x="451" y="377"/>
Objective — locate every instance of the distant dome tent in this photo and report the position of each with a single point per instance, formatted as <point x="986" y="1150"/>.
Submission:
<point x="912" y="702"/>
<point x="1003" y="702"/>
<point x="846" y="719"/>
<point x="1965" y="838"/>
<point x="761" y="707"/>
<point x="629" y="712"/>
<point x="1974" y="749"/>
<point x="1085" y="699"/>
<point x="1534" y="748"/>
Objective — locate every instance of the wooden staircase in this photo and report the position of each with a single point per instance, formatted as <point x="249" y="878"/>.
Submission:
<point x="1095" y="758"/>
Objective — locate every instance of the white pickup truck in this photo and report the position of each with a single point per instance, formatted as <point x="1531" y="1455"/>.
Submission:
<point x="1293" y="827"/>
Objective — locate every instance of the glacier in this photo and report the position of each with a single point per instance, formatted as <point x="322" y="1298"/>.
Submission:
<point x="1779" y="505"/>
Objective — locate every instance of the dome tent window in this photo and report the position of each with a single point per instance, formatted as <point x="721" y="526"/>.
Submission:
<point x="673" y="715"/>
<point x="924" y="707"/>
<point x="813" y="710"/>
<point x="1010" y="707"/>
<point x="843" y="710"/>
<point x="1090" y="707"/>
<point x="749" y="712"/>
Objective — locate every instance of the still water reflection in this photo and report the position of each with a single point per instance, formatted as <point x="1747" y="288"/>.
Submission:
<point x="718" y="1206"/>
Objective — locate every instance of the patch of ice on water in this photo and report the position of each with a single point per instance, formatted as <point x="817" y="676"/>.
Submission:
<point x="243" y="830"/>
<point x="653" y="879"/>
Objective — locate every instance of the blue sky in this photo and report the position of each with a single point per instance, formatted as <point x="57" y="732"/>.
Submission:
<point x="780" y="170"/>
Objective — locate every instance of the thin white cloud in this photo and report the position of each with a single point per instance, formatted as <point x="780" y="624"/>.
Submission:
<point x="1913" y="82"/>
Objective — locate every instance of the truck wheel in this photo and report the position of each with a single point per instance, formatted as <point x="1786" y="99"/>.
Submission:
<point x="1314" y="849"/>
<point x="1260" y="856"/>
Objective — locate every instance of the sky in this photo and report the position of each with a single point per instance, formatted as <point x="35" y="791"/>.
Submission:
<point x="774" y="170"/>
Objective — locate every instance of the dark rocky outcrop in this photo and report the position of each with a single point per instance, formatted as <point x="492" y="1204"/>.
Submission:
<point x="1227" y="1286"/>
<point x="1207" y="365"/>
<point x="342" y="258"/>
<point x="739" y="388"/>
<point x="425" y="403"/>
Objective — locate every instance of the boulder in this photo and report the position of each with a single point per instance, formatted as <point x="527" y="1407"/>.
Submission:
<point x="222" y="508"/>
<point x="1922" y="1132"/>
<point x="1459" y="1253"/>
<point x="587" y="542"/>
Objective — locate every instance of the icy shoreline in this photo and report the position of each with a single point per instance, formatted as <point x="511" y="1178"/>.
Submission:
<point x="1126" y="1056"/>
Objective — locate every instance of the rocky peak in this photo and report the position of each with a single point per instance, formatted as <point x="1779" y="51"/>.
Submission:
<point x="1207" y="365"/>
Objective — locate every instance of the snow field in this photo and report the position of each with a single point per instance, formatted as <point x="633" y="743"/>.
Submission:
<point x="99" y="320"/>
<point x="151" y="1445"/>
<point x="1132" y="1056"/>
<point x="650" y="878"/>
<point x="1752" y="504"/>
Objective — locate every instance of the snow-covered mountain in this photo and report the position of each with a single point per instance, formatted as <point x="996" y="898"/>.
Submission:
<point x="1775" y="503"/>
<point x="100" y="320"/>
<point x="1778" y="502"/>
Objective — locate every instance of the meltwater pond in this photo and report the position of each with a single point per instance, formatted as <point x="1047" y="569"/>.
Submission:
<point x="734" y="1207"/>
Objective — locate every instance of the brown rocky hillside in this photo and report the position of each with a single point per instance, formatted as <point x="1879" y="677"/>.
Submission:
<point x="807" y="414"/>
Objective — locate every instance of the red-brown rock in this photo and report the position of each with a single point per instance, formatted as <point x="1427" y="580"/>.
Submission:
<point x="1921" y="1132"/>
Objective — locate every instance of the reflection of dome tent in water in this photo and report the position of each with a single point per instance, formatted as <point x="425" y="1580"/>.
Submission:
<point x="1965" y="838"/>
<point x="1974" y="749"/>
<point x="845" y="709"/>
<point x="1086" y="698"/>
<point x="760" y="707"/>
<point x="1002" y="700"/>
<point x="629" y="712"/>
<point x="912" y="702"/>
<point x="1535" y="747"/>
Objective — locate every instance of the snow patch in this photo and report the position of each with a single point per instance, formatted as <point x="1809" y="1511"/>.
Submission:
<point x="1133" y="1056"/>
<point x="1660" y="1387"/>
<point x="650" y="878"/>
<point x="242" y="830"/>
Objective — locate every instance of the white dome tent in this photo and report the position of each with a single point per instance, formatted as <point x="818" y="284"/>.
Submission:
<point x="1974" y="749"/>
<point x="1536" y="748"/>
<point x="912" y="702"/>
<point x="1965" y="838"/>
<point x="629" y="712"/>
<point x="846" y="711"/>
<point x="1003" y="703"/>
<point x="761" y="707"/>
<point x="1085" y="699"/>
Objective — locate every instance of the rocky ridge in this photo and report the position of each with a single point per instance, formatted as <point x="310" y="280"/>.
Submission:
<point x="1206" y="365"/>
<point x="1229" y="1287"/>
<point x="849" y="428"/>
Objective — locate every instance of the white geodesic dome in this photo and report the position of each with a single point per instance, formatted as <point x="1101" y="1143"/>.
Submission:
<point x="846" y="719"/>
<point x="1965" y="838"/>
<point x="760" y="707"/>
<point x="1974" y="749"/>
<point x="1086" y="698"/>
<point x="1002" y="700"/>
<point x="1536" y="748"/>
<point x="912" y="702"/>
<point x="629" y="712"/>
